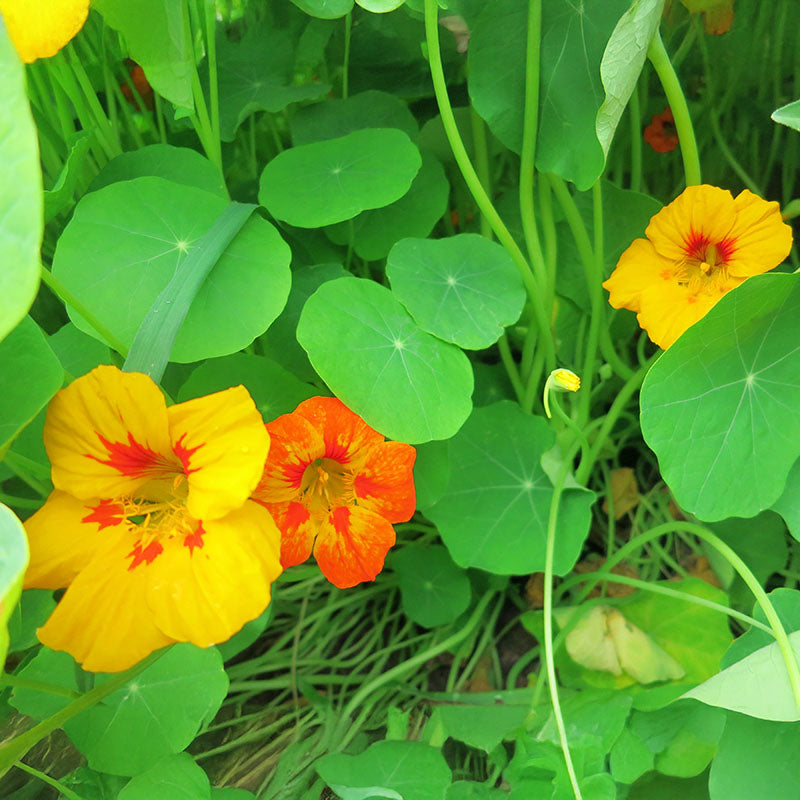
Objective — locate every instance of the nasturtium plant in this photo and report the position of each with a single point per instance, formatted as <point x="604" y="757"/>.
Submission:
<point x="399" y="399"/>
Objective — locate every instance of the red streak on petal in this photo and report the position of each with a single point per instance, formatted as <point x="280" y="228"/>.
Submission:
<point x="106" y="514"/>
<point x="340" y="517"/>
<point x="337" y="452"/>
<point x="296" y="515"/>
<point x="725" y="249"/>
<point x="144" y="555"/>
<point x="365" y="486"/>
<point x="695" y="244"/>
<point x="132" y="459"/>
<point x="194" y="539"/>
<point x="185" y="453"/>
<point x="293" y="473"/>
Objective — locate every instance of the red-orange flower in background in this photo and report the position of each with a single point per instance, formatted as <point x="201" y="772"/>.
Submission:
<point x="660" y="134"/>
<point x="150" y="526"/>
<point x="334" y="486"/>
<point x="700" y="246"/>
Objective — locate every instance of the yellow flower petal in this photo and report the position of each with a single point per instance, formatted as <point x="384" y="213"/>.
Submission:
<point x="102" y="620"/>
<point x="107" y="434"/>
<point x="204" y="593"/>
<point x="40" y="29"/>
<point x="64" y="535"/>
<point x="222" y="443"/>
<point x="639" y="267"/>
<point x="762" y="239"/>
<point x="669" y="309"/>
<point x="699" y="212"/>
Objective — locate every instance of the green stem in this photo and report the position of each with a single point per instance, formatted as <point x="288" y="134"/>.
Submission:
<point x="473" y="182"/>
<point x="15" y="749"/>
<point x="481" y="163"/>
<point x="69" y="299"/>
<point x="528" y="152"/>
<point x="511" y="367"/>
<point x="635" y="111"/>
<point x="45" y="778"/>
<point x="657" y="54"/>
<point x="213" y="79"/>
<point x="348" y="27"/>
<point x="18" y="682"/>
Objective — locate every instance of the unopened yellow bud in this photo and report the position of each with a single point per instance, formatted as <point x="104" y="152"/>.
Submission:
<point x="565" y="380"/>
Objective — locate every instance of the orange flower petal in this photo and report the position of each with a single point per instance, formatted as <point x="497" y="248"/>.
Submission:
<point x="202" y="589"/>
<point x="385" y="484"/>
<point x="762" y="240"/>
<point x="698" y="212"/>
<point x="294" y="444"/>
<point x="102" y="620"/>
<point x="222" y="444"/>
<point x="351" y="546"/>
<point x="639" y="267"/>
<point x="347" y="437"/>
<point x="40" y="29"/>
<point x="64" y="535"/>
<point x="298" y="530"/>
<point x="668" y="310"/>
<point x="106" y="434"/>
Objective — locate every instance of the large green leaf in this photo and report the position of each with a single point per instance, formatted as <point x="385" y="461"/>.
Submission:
<point x="21" y="212"/>
<point x="126" y="241"/>
<point x="464" y="289"/>
<point x="157" y="38"/>
<point x="622" y="62"/>
<point x="573" y="39"/>
<point x="788" y="504"/>
<point x="756" y="759"/>
<point x="404" y="382"/>
<point x="174" y="778"/>
<point x="13" y="561"/>
<point x="177" y="164"/>
<point x="30" y="375"/>
<point x="788" y="115"/>
<point x="721" y="408"/>
<point x="340" y="116"/>
<point x="495" y="511"/>
<point x="325" y="182"/>
<point x="325" y="9"/>
<point x="407" y="770"/>
<point x="256" y="74"/>
<point x="414" y="214"/>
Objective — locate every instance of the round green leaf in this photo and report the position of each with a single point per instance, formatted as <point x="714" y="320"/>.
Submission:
<point x="415" y="214"/>
<point x="494" y="513"/>
<point x="434" y="590"/>
<point x="409" y="770"/>
<point x="50" y="666"/>
<point x="161" y="710"/>
<point x="173" y="778"/>
<point x="32" y="611"/>
<point x="380" y="6"/>
<point x="325" y="182"/>
<point x="31" y="375"/>
<point x="721" y="408"/>
<point x="13" y="561"/>
<point x="21" y="201"/>
<point x="125" y="242"/>
<point x="464" y="289"/>
<point x="404" y="382"/>
<point x="325" y="9"/>
<point x="340" y="116"/>
<point x="274" y="390"/>
<point x="177" y="164"/>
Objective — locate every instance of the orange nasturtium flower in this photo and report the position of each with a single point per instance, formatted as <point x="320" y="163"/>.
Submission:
<point x="700" y="246"/>
<point x="40" y="29"/>
<point x="660" y="134"/>
<point x="335" y="486"/>
<point x="150" y="525"/>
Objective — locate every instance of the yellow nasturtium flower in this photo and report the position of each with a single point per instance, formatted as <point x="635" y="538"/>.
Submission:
<point x="40" y="28"/>
<point x="150" y="526"/>
<point x="699" y="247"/>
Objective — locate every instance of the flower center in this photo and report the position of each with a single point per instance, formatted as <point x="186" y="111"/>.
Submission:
<point x="326" y="484"/>
<point x="705" y="267"/>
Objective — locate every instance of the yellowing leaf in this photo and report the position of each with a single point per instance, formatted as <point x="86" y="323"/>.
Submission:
<point x="624" y="492"/>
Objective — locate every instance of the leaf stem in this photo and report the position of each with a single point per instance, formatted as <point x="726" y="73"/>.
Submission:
<point x="657" y="54"/>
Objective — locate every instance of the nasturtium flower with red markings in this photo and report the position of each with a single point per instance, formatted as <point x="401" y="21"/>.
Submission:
<point x="40" y="29"/>
<point x="334" y="487"/>
<point x="150" y="525"/>
<point x="661" y="134"/>
<point x="700" y="246"/>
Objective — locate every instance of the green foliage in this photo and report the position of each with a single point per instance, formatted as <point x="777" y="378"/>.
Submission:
<point x="13" y="561"/>
<point x="495" y="511"/>
<point x="404" y="382"/>
<point x="464" y="289"/>
<point x="173" y="778"/>
<point x="325" y="182"/>
<point x="20" y="210"/>
<point x="731" y="377"/>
